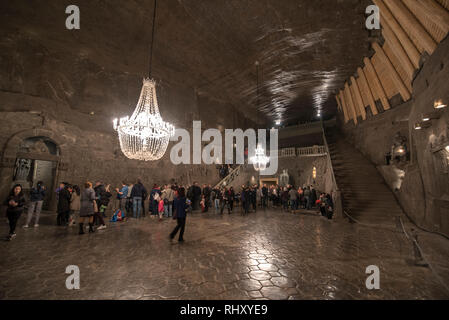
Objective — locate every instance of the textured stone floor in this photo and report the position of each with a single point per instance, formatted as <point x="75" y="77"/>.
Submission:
<point x="267" y="255"/>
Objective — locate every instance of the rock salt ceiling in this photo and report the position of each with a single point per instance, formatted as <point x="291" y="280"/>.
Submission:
<point x="306" y="50"/>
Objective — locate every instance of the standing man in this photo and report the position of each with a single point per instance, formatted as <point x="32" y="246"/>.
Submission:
<point x="307" y="198"/>
<point x="37" y="196"/>
<point x="264" y="196"/>
<point x="122" y="194"/>
<point x="137" y="195"/>
<point x="196" y="196"/>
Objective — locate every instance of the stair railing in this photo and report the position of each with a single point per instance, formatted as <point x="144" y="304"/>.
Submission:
<point x="229" y="178"/>
<point x="336" y="193"/>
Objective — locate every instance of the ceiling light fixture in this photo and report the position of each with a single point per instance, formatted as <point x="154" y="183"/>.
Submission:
<point x="145" y="136"/>
<point x="259" y="160"/>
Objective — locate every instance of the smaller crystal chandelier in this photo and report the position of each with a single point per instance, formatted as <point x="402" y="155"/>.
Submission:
<point x="260" y="160"/>
<point x="145" y="136"/>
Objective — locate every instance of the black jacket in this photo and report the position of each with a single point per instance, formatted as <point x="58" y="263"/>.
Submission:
<point x="64" y="200"/>
<point x="139" y="191"/>
<point x="196" y="192"/>
<point x="20" y="201"/>
<point x="37" y="194"/>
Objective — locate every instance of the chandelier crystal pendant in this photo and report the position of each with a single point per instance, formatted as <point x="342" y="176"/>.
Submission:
<point x="145" y="136"/>
<point x="260" y="160"/>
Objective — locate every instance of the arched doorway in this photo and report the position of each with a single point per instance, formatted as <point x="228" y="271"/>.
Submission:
<point x="37" y="160"/>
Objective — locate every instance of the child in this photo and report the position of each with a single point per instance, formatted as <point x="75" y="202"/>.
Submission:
<point x="160" y="208"/>
<point x="203" y="204"/>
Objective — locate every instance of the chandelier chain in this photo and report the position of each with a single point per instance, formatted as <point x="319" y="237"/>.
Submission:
<point x="152" y="38"/>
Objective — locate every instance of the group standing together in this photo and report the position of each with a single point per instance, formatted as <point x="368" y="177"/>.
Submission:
<point x="89" y="205"/>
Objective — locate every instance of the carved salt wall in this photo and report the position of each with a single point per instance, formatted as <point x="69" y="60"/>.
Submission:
<point x="424" y="191"/>
<point x="412" y="31"/>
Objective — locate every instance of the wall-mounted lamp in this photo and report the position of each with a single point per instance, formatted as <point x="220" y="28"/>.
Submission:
<point x="447" y="148"/>
<point x="422" y="125"/>
<point x="314" y="173"/>
<point x="439" y="104"/>
<point x="278" y="122"/>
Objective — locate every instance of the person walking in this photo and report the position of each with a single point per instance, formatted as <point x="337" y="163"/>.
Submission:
<point x="75" y="204"/>
<point x="87" y="208"/>
<point x="180" y="206"/>
<point x="37" y="196"/>
<point x="15" y="202"/>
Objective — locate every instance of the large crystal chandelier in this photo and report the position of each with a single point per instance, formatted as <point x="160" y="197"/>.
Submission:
<point x="145" y="136"/>
<point x="260" y="160"/>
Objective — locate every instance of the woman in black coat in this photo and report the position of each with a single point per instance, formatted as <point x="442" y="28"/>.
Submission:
<point x="65" y="196"/>
<point x="15" y="203"/>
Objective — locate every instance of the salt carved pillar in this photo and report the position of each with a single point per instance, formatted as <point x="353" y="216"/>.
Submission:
<point x="408" y="21"/>
<point x="358" y="97"/>
<point x="350" y="103"/>
<point x="376" y="86"/>
<point x="405" y="94"/>
<point x="345" y="106"/>
<point x="398" y="50"/>
<point x="369" y="94"/>
<point x="406" y="42"/>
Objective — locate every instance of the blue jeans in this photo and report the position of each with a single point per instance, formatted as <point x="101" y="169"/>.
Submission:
<point x="168" y="209"/>
<point x="308" y="203"/>
<point x="217" y="204"/>
<point x="137" y="207"/>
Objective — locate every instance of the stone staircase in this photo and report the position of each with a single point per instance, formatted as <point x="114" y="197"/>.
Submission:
<point x="365" y="195"/>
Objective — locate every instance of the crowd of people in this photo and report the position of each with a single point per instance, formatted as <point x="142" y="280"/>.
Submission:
<point x="89" y="204"/>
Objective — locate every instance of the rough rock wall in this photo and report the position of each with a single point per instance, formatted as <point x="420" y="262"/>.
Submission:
<point x="89" y="155"/>
<point x="424" y="192"/>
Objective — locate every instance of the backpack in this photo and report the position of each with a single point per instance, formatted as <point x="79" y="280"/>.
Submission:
<point x="119" y="215"/>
